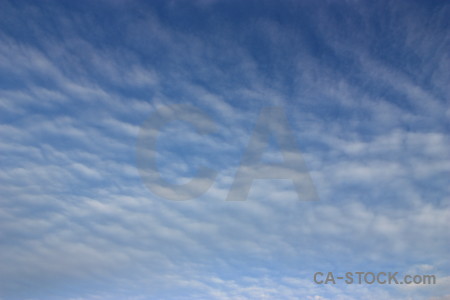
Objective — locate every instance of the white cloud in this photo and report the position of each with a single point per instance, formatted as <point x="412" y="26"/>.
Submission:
<point x="75" y="209"/>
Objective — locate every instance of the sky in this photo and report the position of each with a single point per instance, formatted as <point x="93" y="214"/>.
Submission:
<point x="362" y="94"/>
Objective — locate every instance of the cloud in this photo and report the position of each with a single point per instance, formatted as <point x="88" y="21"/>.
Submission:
<point x="77" y="220"/>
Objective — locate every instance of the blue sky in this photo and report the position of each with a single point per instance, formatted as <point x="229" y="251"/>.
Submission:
<point x="365" y="87"/>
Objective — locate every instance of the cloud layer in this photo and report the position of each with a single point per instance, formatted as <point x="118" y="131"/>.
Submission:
<point x="365" y="90"/>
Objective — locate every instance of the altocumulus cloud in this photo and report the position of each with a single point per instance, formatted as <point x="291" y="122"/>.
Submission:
<point x="365" y="89"/>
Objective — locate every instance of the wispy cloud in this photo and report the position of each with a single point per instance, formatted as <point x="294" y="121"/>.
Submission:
<point x="364" y="86"/>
